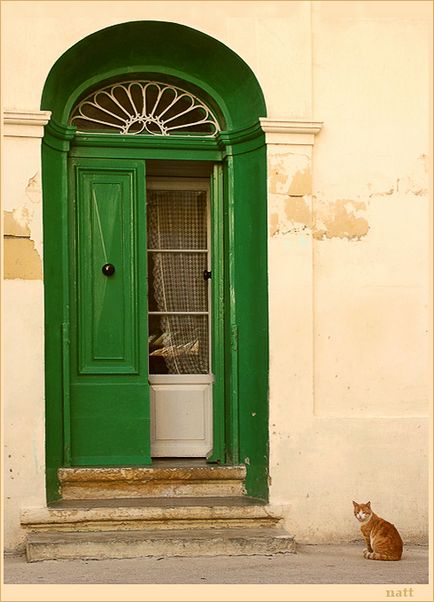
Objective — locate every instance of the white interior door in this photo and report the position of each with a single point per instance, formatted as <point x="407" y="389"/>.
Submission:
<point x="179" y="317"/>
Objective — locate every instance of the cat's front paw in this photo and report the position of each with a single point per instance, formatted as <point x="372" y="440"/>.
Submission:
<point x="365" y="553"/>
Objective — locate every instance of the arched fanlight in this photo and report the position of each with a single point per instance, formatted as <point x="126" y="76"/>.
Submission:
<point x="145" y="107"/>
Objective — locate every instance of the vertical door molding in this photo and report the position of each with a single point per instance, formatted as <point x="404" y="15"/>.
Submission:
<point x="291" y="218"/>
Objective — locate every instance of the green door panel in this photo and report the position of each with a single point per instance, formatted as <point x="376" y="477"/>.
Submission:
<point x="107" y="316"/>
<point x="109" y="424"/>
<point x="109" y="391"/>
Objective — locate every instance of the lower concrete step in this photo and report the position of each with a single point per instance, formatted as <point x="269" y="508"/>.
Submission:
<point x="150" y="513"/>
<point x="136" y="544"/>
<point x="158" y="480"/>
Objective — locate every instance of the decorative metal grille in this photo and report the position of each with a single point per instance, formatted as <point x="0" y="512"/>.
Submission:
<point x="145" y="107"/>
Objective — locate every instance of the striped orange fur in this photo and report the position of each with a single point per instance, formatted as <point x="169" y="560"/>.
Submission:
<point x="382" y="538"/>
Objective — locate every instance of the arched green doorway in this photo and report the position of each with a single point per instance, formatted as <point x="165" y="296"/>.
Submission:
<point x="178" y="55"/>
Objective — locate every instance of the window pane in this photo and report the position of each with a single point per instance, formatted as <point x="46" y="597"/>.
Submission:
<point x="177" y="219"/>
<point x="178" y="345"/>
<point x="176" y="282"/>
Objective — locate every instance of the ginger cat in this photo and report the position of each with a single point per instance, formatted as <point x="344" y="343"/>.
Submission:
<point x="382" y="538"/>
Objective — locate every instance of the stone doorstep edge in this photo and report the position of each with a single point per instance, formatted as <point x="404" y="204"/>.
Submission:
<point x="44" y="516"/>
<point x="147" y="474"/>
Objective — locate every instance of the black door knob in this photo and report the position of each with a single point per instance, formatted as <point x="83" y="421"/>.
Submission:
<point x="108" y="269"/>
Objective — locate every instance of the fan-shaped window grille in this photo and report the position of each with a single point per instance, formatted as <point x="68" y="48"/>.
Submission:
<point x="145" y="107"/>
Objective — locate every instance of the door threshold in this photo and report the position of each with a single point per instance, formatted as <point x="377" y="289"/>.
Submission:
<point x="195" y="479"/>
<point x="178" y="462"/>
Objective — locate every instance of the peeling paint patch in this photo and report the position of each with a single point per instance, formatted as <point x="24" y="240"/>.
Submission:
<point x="274" y="224"/>
<point x="278" y="179"/>
<point x="21" y="259"/>
<point x="298" y="183"/>
<point x="301" y="183"/>
<point x="341" y="219"/>
<point x="294" y="210"/>
<point x="23" y="234"/>
<point x="298" y="211"/>
<point x="385" y="192"/>
<point x="289" y="173"/>
<point x="414" y="182"/>
<point x="16" y="223"/>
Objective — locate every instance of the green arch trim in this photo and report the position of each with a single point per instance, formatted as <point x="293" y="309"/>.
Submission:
<point x="139" y="48"/>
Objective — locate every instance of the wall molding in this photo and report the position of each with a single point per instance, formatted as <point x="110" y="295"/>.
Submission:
<point x="30" y="124"/>
<point x="25" y="124"/>
<point x="290" y="131"/>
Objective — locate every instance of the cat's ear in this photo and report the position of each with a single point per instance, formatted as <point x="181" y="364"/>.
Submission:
<point x="355" y="504"/>
<point x="369" y="504"/>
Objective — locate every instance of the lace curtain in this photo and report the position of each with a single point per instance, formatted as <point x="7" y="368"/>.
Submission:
<point x="177" y="239"/>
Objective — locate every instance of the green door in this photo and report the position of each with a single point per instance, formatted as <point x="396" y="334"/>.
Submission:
<point x="108" y="373"/>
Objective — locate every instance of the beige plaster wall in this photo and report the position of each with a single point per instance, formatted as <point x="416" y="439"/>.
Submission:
<point x="24" y="436"/>
<point x="350" y="396"/>
<point x="269" y="36"/>
<point x="348" y="248"/>
<point x="23" y="365"/>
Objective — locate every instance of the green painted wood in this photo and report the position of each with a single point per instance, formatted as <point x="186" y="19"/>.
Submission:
<point x="131" y="143"/>
<point x="110" y="416"/>
<point x="142" y="152"/>
<point x="155" y="49"/>
<point x="233" y="377"/>
<point x="217" y="316"/>
<point x="66" y="375"/>
<point x="231" y="329"/>
<point x="107" y="305"/>
<point x="56" y="300"/>
<point x="251" y="301"/>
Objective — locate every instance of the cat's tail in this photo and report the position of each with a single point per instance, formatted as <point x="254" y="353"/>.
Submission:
<point x="377" y="556"/>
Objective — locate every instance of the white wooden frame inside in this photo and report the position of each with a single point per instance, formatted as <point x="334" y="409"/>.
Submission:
<point x="181" y="404"/>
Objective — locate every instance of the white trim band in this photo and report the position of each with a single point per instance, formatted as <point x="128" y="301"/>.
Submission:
<point x="289" y="131"/>
<point x="25" y="124"/>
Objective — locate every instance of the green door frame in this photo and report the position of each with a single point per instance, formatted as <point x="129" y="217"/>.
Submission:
<point x="239" y="234"/>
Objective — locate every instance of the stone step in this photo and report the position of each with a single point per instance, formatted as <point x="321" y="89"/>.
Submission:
<point x="207" y="480"/>
<point x="150" y="514"/>
<point x="136" y="544"/>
